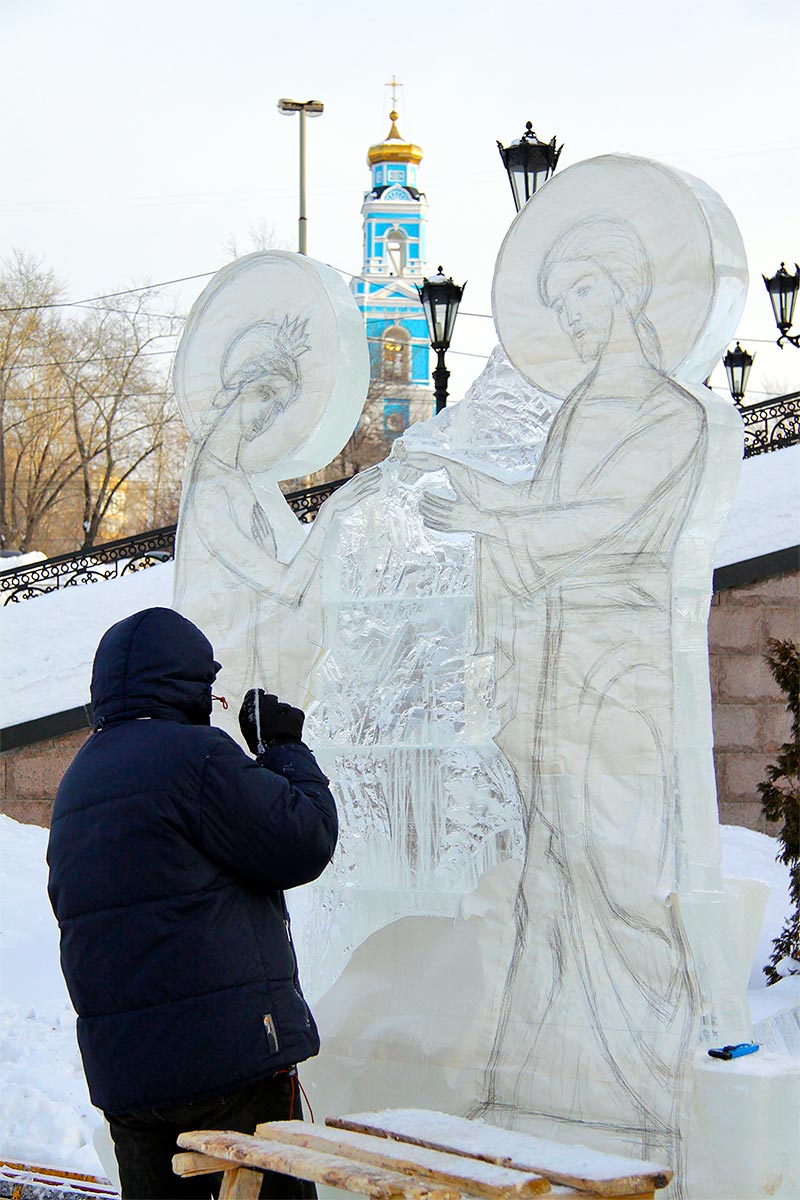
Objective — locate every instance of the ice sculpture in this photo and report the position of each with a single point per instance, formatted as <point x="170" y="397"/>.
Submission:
<point x="270" y="375"/>
<point x="576" y="988"/>
<point x="500" y="639"/>
<point x="400" y="716"/>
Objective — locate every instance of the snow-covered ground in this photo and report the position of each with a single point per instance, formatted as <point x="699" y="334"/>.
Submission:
<point x="46" y="1118"/>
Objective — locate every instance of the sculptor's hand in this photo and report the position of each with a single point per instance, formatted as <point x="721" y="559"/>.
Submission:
<point x="265" y="720"/>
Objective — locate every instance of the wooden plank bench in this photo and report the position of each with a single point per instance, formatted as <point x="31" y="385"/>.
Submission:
<point x="416" y="1155"/>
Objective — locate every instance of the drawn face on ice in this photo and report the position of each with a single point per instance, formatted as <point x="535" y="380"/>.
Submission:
<point x="597" y="279"/>
<point x="623" y="265"/>
<point x="584" y="299"/>
<point x="272" y="369"/>
<point x="262" y="381"/>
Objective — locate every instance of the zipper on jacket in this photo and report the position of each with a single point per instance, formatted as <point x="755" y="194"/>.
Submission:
<point x="271" y="1032"/>
<point x="296" y="971"/>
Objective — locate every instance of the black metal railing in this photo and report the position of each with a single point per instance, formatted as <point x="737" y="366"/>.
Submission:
<point x="125" y="555"/>
<point x="771" y="424"/>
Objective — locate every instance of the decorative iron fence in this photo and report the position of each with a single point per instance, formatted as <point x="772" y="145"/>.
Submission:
<point x="126" y="555"/>
<point x="771" y="424"/>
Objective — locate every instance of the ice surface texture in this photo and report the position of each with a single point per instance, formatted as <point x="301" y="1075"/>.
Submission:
<point x="500" y="636"/>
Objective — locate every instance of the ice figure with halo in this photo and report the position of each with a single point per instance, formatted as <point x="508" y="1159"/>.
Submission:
<point x="617" y="288"/>
<point x="271" y="375"/>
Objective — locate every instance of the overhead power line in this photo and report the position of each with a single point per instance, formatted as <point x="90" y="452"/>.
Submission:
<point x="147" y="287"/>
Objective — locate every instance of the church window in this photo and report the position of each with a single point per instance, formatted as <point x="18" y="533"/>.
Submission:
<point x="396" y="355"/>
<point x="396" y="251"/>
<point x="395" y="418"/>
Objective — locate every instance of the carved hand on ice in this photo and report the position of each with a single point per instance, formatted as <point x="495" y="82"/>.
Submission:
<point x="452" y="515"/>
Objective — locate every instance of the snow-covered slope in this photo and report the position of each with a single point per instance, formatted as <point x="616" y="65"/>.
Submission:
<point x="765" y="514"/>
<point x="47" y="645"/>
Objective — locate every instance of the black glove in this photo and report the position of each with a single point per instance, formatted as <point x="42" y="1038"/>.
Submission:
<point x="265" y="720"/>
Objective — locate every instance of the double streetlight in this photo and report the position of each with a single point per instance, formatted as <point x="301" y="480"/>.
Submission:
<point x="311" y="108"/>
<point x="782" y="289"/>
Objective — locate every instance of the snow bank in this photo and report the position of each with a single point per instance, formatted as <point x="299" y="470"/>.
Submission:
<point x="46" y="1118"/>
<point x="765" y="514"/>
<point x="47" y="644"/>
<point x="750" y="855"/>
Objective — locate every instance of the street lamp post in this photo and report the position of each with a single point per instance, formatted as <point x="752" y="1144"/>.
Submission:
<point x="737" y="364"/>
<point x="313" y="108"/>
<point x="529" y="163"/>
<point x="440" y="299"/>
<point x="782" y="289"/>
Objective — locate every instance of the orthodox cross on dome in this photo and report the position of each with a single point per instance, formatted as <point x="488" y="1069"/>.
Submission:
<point x="394" y="132"/>
<point x="394" y="83"/>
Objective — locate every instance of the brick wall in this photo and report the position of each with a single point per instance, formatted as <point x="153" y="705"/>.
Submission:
<point x="750" y="717"/>
<point x="29" y="776"/>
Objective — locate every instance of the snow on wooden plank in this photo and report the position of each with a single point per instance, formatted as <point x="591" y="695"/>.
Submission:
<point x="477" y="1177"/>
<point x="574" y="1165"/>
<point x="350" y="1176"/>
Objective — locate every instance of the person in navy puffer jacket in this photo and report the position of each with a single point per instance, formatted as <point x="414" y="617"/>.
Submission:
<point x="170" y="849"/>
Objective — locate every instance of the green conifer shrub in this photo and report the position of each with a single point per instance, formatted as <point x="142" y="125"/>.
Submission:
<point x="780" y="801"/>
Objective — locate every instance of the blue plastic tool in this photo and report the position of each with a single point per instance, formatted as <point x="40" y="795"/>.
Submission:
<point x="737" y="1051"/>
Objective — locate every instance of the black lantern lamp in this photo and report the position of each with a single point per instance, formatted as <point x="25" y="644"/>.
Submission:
<point x="737" y="364"/>
<point x="782" y="288"/>
<point x="529" y="164"/>
<point x="440" y="299"/>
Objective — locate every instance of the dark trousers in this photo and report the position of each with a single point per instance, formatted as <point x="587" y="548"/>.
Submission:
<point x="145" y="1141"/>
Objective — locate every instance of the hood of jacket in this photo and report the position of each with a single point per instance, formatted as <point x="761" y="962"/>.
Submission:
<point x="155" y="663"/>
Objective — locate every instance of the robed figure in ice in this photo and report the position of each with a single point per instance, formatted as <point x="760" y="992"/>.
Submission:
<point x="617" y="288"/>
<point x="601" y="1002"/>
<point x="271" y="375"/>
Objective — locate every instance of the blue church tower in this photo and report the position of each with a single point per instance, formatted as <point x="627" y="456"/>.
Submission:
<point x="394" y="213"/>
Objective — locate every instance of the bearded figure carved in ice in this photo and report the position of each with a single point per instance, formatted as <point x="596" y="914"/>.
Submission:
<point x="617" y="288"/>
<point x="402" y="716"/>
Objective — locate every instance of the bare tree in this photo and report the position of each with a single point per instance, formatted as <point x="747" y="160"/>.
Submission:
<point x="90" y="442"/>
<point x="261" y="236"/>
<point x="37" y="458"/>
<point x="122" y="409"/>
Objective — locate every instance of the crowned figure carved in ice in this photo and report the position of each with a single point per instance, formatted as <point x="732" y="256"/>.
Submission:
<point x="271" y="375"/>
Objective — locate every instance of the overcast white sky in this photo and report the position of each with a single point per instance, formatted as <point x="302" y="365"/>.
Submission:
<point x="138" y="137"/>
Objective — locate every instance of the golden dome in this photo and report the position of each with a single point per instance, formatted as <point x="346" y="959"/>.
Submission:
<point x="394" y="149"/>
